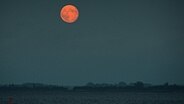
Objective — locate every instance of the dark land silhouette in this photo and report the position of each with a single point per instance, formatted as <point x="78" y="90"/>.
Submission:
<point x="120" y="87"/>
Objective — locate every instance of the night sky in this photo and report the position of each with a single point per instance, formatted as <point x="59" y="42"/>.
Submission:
<point x="112" y="41"/>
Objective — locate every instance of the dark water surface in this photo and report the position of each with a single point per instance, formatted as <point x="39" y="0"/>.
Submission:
<point x="59" y="97"/>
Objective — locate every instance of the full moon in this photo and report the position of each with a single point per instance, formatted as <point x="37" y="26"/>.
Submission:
<point x="69" y="13"/>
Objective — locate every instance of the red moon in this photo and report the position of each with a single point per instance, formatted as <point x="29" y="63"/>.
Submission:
<point x="69" y="13"/>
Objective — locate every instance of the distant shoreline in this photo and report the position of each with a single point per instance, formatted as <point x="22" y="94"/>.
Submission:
<point x="95" y="87"/>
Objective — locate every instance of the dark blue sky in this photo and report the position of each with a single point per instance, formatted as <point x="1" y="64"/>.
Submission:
<point x="112" y="41"/>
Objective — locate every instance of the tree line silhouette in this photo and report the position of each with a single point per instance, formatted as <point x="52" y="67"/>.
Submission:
<point x="121" y="86"/>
